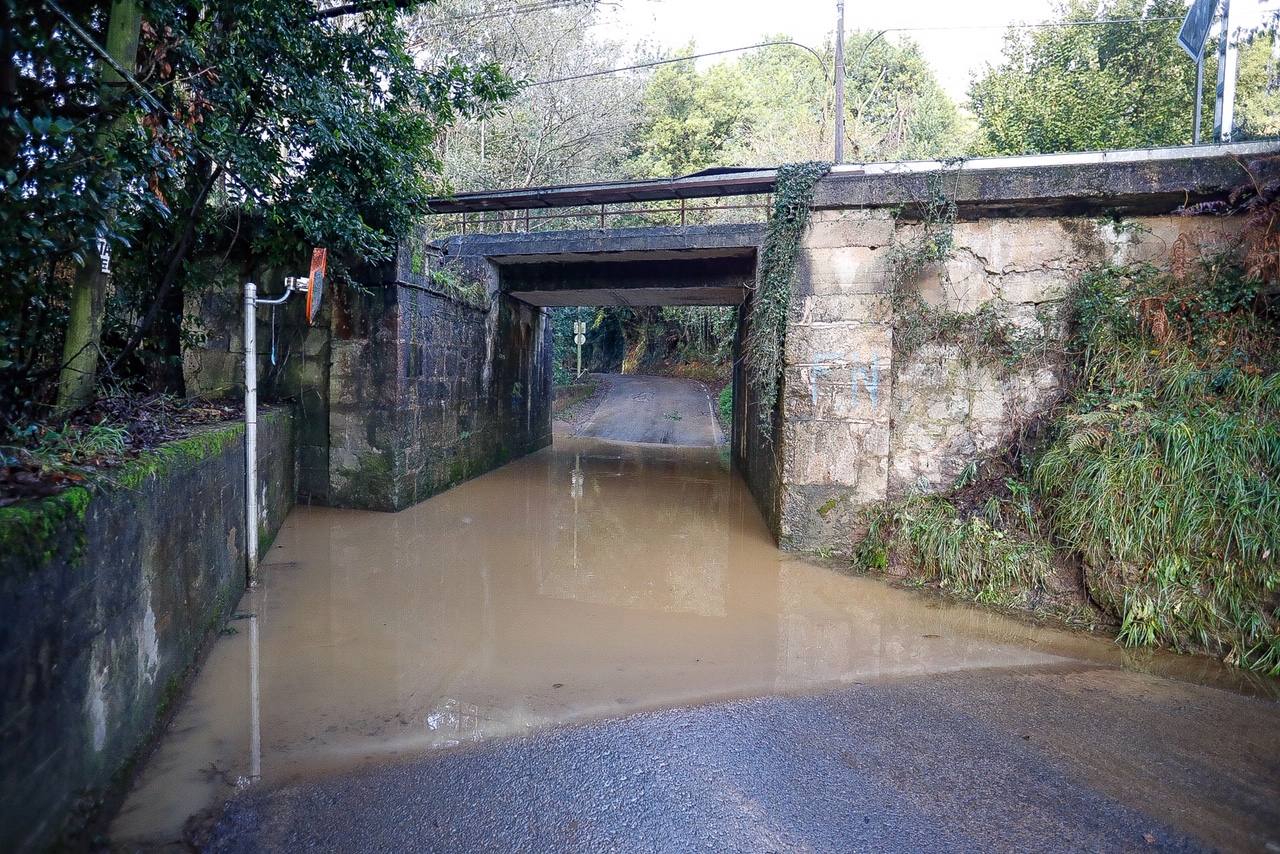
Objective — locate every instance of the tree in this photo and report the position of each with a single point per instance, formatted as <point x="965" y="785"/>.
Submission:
<point x="311" y="109"/>
<point x="71" y="156"/>
<point x="896" y="110"/>
<point x="88" y="295"/>
<point x="688" y="119"/>
<point x="1121" y="85"/>
<point x="569" y="131"/>
<point x="789" y="98"/>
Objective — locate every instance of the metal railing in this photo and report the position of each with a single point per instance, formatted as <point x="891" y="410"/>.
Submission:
<point x="678" y="212"/>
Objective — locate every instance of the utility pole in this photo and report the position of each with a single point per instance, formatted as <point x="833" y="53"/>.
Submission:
<point x="1223" y="108"/>
<point x="839" y="81"/>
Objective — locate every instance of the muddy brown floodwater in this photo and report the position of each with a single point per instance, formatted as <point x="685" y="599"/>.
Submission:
<point x="588" y="580"/>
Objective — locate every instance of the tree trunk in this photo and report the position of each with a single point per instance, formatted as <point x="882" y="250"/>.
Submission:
<point x="89" y="294"/>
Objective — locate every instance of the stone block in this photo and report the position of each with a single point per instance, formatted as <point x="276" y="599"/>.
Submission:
<point x="838" y="345"/>
<point x="850" y="454"/>
<point x="849" y="230"/>
<point x="855" y="269"/>
<point x="855" y="392"/>
<point x="1035" y="286"/>
<point x="844" y="308"/>
<point x="961" y="283"/>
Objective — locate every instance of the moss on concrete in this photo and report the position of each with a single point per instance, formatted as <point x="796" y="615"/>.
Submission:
<point x="32" y="532"/>
<point x="828" y="505"/>
<point x="177" y="455"/>
<point x="370" y="483"/>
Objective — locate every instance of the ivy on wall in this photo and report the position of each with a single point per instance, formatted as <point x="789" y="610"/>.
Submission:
<point x="771" y="302"/>
<point x="983" y="336"/>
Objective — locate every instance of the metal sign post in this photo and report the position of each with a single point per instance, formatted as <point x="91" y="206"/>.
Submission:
<point x="313" y="287"/>
<point x="579" y="338"/>
<point x="1192" y="37"/>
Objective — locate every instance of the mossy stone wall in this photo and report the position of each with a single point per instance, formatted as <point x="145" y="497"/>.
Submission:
<point x="427" y="390"/>
<point x="106" y="598"/>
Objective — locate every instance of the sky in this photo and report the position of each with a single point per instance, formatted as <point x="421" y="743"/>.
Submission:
<point x="954" y="53"/>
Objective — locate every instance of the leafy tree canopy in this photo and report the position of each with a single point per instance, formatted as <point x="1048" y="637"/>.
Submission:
<point x="312" y="109"/>
<point x="1125" y="85"/>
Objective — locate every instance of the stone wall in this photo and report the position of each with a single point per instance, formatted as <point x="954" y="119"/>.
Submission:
<point x="403" y="388"/>
<point x="105" y="602"/>
<point x="428" y="388"/>
<point x="864" y="421"/>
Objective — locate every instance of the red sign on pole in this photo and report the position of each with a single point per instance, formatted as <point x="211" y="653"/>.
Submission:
<point x="315" y="282"/>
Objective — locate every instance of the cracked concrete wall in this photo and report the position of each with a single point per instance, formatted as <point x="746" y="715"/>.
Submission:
<point x="863" y="422"/>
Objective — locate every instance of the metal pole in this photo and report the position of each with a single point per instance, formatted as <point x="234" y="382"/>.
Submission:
<point x="250" y="433"/>
<point x="839" y="70"/>
<point x="255" y="692"/>
<point x="1223" y="107"/>
<point x="1195" y="125"/>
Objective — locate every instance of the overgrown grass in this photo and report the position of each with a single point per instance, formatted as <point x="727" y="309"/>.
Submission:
<point x="1160" y="477"/>
<point x="724" y="404"/>
<point x="979" y="555"/>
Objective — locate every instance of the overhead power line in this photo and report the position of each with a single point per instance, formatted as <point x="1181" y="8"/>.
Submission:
<point x="1091" y="22"/>
<point x="822" y="63"/>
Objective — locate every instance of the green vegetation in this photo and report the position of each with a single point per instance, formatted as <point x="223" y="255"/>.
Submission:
<point x="1117" y="86"/>
<point x="31" y="533"/>
<point x="1158" y="479"/>
<point x="1162" y="476"/>
<point x="328" y="118"/>
<point x="177" y="455"/>
<point x="688" y="119"/>
<point x="771" y="303"/>
<point x="461" y="288"/>
<point x="973" y="555"/>
<point x="724" y="405"/>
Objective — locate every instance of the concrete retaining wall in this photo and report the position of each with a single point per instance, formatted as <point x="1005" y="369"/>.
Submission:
<point x="105" y="602"/>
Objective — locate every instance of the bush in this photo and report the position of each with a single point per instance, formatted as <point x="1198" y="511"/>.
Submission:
<point x="725" y="404"/>
<point x="1162" y="474"/>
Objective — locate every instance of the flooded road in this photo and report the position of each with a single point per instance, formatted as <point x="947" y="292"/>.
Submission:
<point x="586" y="581"/>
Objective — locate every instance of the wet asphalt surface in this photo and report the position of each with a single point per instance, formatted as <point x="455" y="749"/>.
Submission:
<point x="1063" y="758"/>
<point x="653" y="410"/>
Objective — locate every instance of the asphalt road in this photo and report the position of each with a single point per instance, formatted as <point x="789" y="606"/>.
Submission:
<point x="1062" y="758"/>
<point x="653" y="410"/>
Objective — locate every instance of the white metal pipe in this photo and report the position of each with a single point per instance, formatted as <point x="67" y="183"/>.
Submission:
<point x="258" y="603"/>
<point x="250" y="433"/>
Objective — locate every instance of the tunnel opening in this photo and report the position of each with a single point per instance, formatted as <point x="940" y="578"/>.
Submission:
<point x="629" y="298"/>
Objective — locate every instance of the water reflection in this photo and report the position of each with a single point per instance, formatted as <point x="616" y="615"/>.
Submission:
<point x="587" y="580"/>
